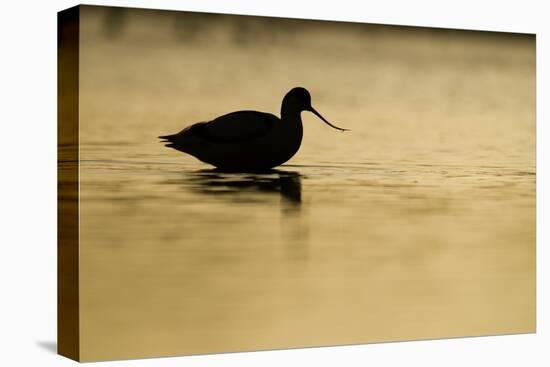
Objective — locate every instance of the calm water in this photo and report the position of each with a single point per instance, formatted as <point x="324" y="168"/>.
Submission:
<point x="419" y="223"/>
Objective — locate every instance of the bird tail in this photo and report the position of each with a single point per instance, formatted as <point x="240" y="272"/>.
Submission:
<point x="184" y="141"/>
<point x="168" y="140"/>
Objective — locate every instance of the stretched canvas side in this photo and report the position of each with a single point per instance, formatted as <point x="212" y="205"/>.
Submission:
<point x="67" y="189"/>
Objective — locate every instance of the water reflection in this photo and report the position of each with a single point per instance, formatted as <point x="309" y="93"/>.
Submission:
<point x="232" y="185"/>
<point x="259" y="188"/>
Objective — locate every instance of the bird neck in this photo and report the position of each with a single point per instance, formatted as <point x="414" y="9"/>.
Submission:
<point x="290" y="113"/>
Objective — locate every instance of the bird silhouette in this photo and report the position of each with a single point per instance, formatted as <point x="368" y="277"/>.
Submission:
<point x="248" y="140"/>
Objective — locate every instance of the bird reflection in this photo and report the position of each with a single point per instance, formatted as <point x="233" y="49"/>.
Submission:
<point x="217" y="182"/>
<point x="260" y="187"/>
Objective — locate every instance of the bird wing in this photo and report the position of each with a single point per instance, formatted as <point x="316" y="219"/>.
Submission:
<point x="237" y="127"/>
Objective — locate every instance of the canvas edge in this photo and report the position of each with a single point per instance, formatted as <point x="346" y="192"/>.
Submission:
<point x="68" y="313"/>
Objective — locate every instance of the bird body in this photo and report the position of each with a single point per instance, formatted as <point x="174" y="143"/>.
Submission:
<point x="247" y="140"/>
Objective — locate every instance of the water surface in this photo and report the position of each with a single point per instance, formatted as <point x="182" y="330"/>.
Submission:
<point x="419" y="223"/>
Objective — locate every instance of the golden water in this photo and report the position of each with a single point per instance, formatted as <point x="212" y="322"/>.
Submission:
<point x="419" y="223"/>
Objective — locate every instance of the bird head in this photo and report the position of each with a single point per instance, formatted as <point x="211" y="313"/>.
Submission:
<point x="300" y="99"/>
